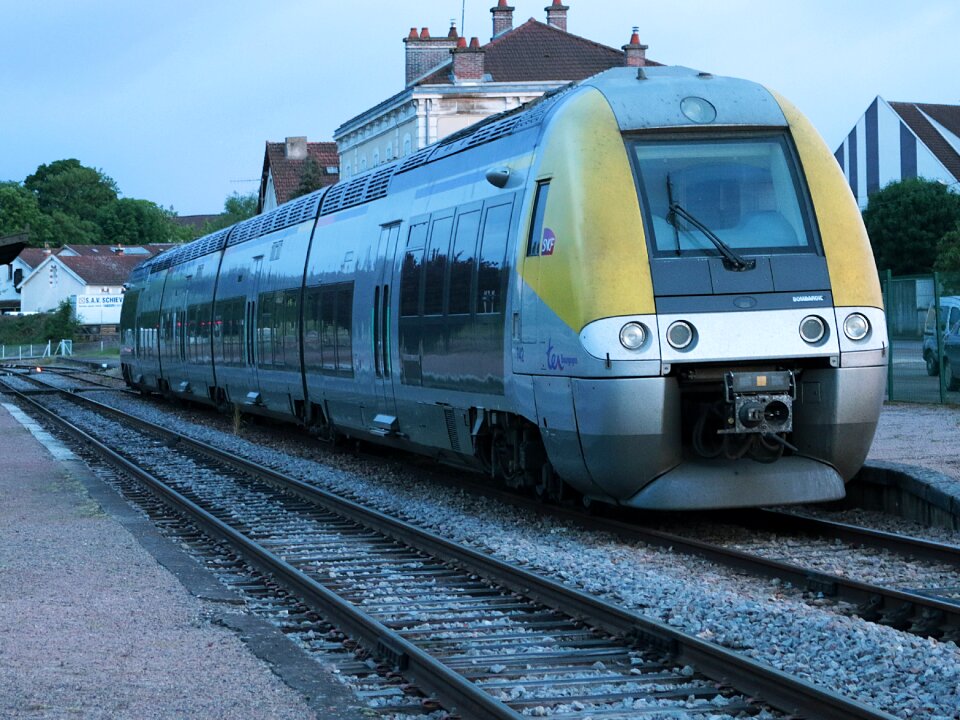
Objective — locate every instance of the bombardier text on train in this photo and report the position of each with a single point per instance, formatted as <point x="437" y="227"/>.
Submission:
<point x="649" y="288"/>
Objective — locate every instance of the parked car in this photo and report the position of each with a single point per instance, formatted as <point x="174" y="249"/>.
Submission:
<point x="951" y="352"/>
<point x="949" y="317"/>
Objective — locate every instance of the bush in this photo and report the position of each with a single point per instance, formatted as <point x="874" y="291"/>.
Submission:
<point x="61" y="324"/>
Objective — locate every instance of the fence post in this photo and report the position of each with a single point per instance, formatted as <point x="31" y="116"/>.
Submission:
<point x="887" y="281"/>
<point x="939" y="334"/>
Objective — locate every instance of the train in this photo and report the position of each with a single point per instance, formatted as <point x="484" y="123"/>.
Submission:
<point x="651" y="288"/>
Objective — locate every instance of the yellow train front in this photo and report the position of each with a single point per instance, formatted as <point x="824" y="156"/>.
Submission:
<point x="696" y="319"/>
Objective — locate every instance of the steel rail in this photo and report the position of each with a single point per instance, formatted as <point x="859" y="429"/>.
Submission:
<point x="779" y="521"/>
<point x="779" y="689"/>
<point x="455" y="691"/>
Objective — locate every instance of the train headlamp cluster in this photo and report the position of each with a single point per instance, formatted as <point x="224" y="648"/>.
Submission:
<point x="856" y="326"/>
<point x="633" y="335"/>
<point x="813" y="329"/>
<point x="680" y="334"/>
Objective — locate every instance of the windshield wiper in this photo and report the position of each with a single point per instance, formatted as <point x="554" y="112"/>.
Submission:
<point x="737" y="261"/>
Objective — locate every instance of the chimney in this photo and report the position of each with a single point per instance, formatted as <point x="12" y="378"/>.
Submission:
<point x="425" y="53"/>
<point x="557" y="15"/>
<point x="468" y="61"/>
<point x="635" y="54"/>
<point x="502" y="18"/>
<point x="295" y="148"/>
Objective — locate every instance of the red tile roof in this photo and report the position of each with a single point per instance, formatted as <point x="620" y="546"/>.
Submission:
<point x="112" y="269"/>
<point x="946" y="115"/>
<point x="33" y="256"/>
<point x="286" y="173"/>
<point x="536" y="51"/>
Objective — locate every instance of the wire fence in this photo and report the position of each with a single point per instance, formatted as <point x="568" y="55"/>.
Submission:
<point x="923" y="323"/>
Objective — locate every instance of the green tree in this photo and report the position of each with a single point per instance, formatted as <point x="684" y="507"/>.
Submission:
<point x="906" y="220"/>
<point x="66" y="229"/>
<point x="61" y="324"/>
<point x="19" y="212"/>
<point x="136" y="222"/>
<point x="71" y="188"/>
<point x="948" y="252"/>
<point x="236" y="208"/>
<point x="311" y="177"/>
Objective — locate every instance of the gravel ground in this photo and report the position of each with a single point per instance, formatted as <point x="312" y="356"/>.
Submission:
<point x="902" y="674"/>
<point x="924" y="435"/>
<point x="94" y="627"/>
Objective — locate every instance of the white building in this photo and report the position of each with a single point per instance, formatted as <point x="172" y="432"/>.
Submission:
<point x="90" y="277"/>
<point x="451" y="84"/>
<point x="894" y="141"/>
<point x="13" y="273"/>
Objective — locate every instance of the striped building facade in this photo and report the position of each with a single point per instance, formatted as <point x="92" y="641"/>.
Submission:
<point x="898" y="140"/>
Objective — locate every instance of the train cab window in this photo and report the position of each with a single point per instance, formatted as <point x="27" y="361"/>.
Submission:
<point x="435" y="265"/>
<point x="745" y="190"/>
<point x="490" y="269"/>
<point x="536" y="226"/>
<point x="462" y="262"/>
<point x="410" y="273"/>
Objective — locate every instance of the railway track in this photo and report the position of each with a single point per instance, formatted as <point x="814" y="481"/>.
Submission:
<point x="488" y="639"/>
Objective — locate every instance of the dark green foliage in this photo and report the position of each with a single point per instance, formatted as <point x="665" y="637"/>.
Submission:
<point x="19" y="211"/>
<point x="137" y="222"/>
<point x="236" y="208"/>
<point x="948" y="252"/>
<point x="71" y="188"/>
<point x="311" y="178"/>
<point x="61" y="324"/>
<point x="906" y="220"/>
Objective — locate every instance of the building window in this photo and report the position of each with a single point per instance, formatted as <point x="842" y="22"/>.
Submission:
<point x="406" y="144"/>
<point x="376" y="158"/>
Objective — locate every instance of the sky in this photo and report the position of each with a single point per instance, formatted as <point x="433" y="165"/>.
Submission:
<point x="175" y="99"/>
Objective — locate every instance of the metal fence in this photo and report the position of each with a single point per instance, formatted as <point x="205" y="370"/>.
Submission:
<point x="923" y="323"/>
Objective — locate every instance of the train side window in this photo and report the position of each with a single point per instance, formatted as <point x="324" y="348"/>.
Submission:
<point x="328" y="331"/>
<point x="462" y="261"/>
<point x="435" y="265"/>
<point x="312" y="353"/>
<point x="493" y="249"/>
<point x="536" y="227"/>
<point x="344" y="317"/>
<point x="291" y="321"/>
<point x="411" y="271"/>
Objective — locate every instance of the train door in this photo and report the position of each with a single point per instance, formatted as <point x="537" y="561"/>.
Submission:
<point x="385" y="416"/>
<point x="526" y="320"/>
<point x="252" y="335"/>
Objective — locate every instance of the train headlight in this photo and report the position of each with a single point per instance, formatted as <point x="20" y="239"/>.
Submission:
<point x="856" y="326"/>
<point x="812" y="329"/>
<point x="680" y="334"/>
<point x="633" y="335"/>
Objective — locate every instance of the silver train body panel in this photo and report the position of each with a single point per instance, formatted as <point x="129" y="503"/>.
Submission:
<point x="407" y="318"/>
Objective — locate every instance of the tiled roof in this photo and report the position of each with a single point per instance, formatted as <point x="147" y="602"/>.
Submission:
<point x="112" y="269"/>
<point x="33" y="256"/>
<point x="286" y="173"/>
<point x="946" y="115"/>
<point x="536" y="51"/>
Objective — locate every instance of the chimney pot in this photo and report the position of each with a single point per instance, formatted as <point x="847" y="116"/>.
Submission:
<point x="557" y="15"/>
<point x="468" y="61"/>
<point x="502" y="18"/>
<point x="461" y="42"/>
<point x="453" y="30"/>
<point x="635" y="54"/>
<point x="475" y="43"/>
<point x="425" y="34"/>
<point x="413" y="34"/>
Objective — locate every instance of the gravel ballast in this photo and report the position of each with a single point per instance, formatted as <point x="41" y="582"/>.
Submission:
<point x="92" y="627"/>
<point x="901" y="674"/>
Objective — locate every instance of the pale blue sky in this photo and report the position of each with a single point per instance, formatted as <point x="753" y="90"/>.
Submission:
<point x="175" y="99"/>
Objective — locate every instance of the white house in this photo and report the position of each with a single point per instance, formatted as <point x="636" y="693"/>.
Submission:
<point x="91" y="277"/>
<point x="894" y="141"/>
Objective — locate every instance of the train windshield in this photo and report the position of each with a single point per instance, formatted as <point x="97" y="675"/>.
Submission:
<point x="745" y="192"/>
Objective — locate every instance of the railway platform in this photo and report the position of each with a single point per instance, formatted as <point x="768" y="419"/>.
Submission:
<point x="104" y="618"/>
